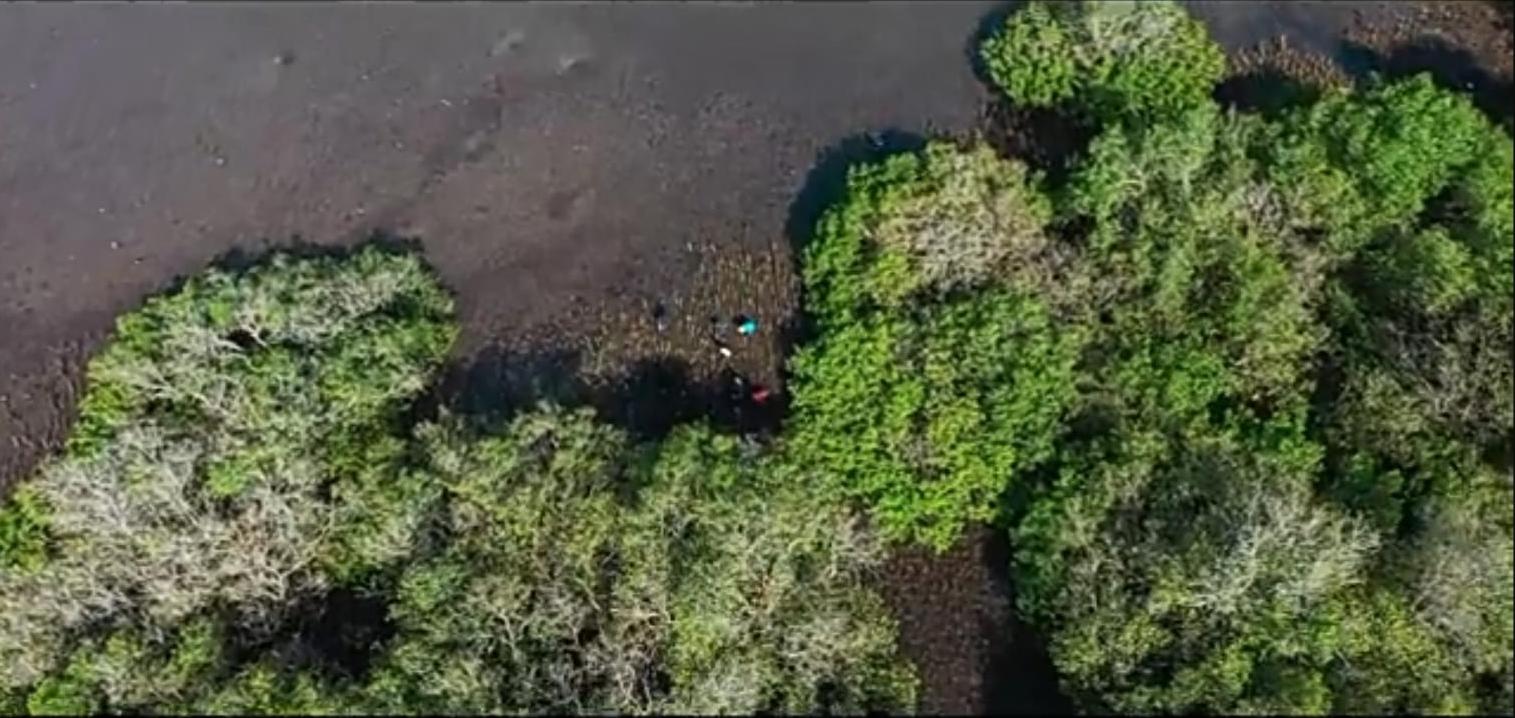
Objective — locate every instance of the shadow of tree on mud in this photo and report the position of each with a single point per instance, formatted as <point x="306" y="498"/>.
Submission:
<point x="343" y="628"/>
<point x="1045" y="139"/>
<point x="1267" y="91"/>
<point x="1450" y="66"/>
<point x="1272" y="90"/>
<point x="1019" y="676"/>
<point x="987" y="26"/>
<point x="648" y="400"/>
<point x="336" y="633"/>
<point x="826" y="182"/>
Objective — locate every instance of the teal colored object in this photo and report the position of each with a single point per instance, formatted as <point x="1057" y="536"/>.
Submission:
<point x="747" y="326"/>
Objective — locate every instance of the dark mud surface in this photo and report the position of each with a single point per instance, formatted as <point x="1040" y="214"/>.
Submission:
<point x="604" y="187"/>
<point x="957" y="623"/>
<point x="564" y="167"/>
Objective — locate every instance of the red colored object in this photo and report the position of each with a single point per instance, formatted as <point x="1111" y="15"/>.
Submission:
<point x="760" y="394"/>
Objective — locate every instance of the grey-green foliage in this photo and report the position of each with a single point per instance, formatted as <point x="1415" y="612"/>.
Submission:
<point x="1179" y="571"/>
<point x="1289" y="489"/>
<point x="582" y="577"/>
<point x="507" y="616"/>
<point x="765" y="576"/>
<point x="219" y="423"/>
<point x="1114" y="60"/>
<point x="919" y="226"/>
<point x="241" y="458"/>
<point x="966" y="217"/>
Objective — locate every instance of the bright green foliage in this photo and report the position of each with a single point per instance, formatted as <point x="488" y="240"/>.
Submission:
<point x="1355" y="164"/>
<point x="218" y="423"/>
<point x="919" y="396"/>
<point x="1034" y="58"/>
<point x="1180" y="557"/>
<point x="930" y="415"/>
<point x="23" y="531"/>
<point x="701" y="579"/>
<point x="1117" y="60"/>
<point x="1392" y="662"/>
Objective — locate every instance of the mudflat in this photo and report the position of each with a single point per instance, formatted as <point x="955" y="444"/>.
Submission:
<point x="597" y="183"/>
